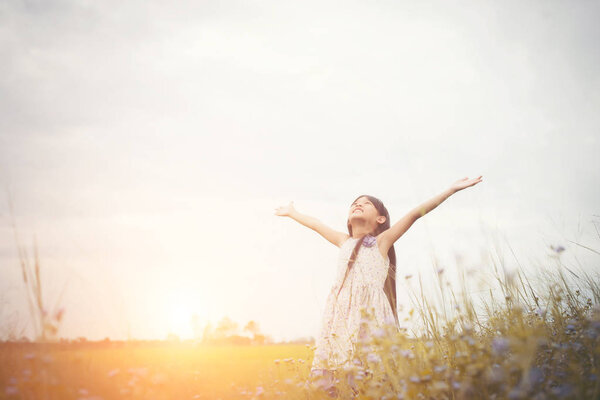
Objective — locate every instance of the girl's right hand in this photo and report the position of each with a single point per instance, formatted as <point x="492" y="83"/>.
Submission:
<point x="285" y="211"/>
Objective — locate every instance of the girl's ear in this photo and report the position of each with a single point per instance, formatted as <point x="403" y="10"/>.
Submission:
<point x="381" y="219"/>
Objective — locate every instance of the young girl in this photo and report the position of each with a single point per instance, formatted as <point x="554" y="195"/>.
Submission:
<point x="366" y="275"/>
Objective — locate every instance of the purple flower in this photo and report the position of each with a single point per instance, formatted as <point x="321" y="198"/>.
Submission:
<point x="500" y="345"/>
<point x="369" y="241"/>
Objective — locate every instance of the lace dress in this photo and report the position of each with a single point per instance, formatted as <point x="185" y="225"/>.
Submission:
<point x="363" y="287"/>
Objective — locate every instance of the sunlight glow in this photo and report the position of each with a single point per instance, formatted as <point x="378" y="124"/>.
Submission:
<point x="182" y="307"/>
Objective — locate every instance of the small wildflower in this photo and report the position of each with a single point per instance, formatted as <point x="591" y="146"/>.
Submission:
<point x="470" y="341"/>
<point x="379" y="332"/>
<point x="47" y="359"/>
<point x="113" y="372"/>
<point x="515" y="394"/>
<point x="564" y="390"/>
<point x="407" y="354"/>
<point x="360" y="375"/>
<point x="159" y="378"/>
<point x="536" y="375"/>
<point x="541" y="312"/>
<point x="29" y="356"/>
<point x="59" y="314"/>
<point x="496" y="373"/>
<point x="373" y="358"/>
<point x="415" y="379"/>
<point x="259" y="390"/>
<point x="500" y="345"/>
<point x="11" y="390"/>
<point x="591" y="333"/>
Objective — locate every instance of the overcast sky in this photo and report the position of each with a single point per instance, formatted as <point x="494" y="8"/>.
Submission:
<point x="146" y="145"/>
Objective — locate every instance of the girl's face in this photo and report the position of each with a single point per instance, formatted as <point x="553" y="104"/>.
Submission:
<point x="363" y="209"/>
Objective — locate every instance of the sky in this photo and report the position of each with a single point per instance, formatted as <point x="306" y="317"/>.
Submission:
<point x="145" y="146"/>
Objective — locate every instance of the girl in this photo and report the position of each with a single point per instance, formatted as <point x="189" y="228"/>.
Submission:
<point x="366" y="275"/>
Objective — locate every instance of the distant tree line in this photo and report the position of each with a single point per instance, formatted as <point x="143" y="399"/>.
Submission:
<point x="227" y="331"/>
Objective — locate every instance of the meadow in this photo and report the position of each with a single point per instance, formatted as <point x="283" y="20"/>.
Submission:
<point x="534" y="335"/>
<point x="138" y="370"/>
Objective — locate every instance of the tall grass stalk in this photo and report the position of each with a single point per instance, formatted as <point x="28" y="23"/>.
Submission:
<point x="45" y="322"/>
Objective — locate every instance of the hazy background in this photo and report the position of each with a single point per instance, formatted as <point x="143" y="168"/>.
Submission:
<point x="146" y="146"/>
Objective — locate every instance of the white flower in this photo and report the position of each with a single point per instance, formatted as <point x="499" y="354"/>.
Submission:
<point x="113" y="372"/>
<point x="373" y="358"/>
<point x="379" y="332"/>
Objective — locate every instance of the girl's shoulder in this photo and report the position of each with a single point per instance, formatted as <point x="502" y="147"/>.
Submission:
<point x="345" y="240"/>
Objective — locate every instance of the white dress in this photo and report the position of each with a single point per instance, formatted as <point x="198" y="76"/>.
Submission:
<point x="363" y="287"/>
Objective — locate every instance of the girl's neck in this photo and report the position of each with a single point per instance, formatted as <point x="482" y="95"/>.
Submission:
<point x="358" y="234"/>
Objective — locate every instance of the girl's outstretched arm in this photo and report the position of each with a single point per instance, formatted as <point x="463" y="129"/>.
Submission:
<point x="316" y="225"/>
<point x="389" y="236"/>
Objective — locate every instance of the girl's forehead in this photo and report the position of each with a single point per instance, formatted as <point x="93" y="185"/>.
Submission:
<point x="366" y="200"/>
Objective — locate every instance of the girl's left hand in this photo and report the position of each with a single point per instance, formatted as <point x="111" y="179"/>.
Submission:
<point x="465" y="183"/>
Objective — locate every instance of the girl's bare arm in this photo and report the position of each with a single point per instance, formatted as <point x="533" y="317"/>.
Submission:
<point x="333" y="236"/>
<point x="388" y="237"/>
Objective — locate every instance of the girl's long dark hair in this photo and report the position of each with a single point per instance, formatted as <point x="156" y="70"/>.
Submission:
<point x="390" y="283"/>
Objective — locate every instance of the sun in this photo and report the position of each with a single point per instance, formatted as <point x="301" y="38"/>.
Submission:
<point x="182" y="310"/>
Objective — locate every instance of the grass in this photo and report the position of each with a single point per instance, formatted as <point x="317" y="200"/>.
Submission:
<point x="535" y="337"/>
<point x="526" y="336"/>
<point x="523" y="341"/>
<point x="117" y="370"/>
